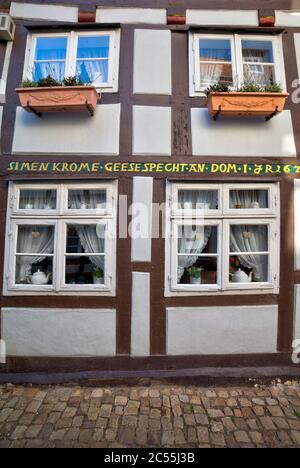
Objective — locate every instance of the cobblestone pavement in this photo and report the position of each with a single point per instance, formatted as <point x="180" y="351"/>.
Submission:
<point x="160" y="415"/>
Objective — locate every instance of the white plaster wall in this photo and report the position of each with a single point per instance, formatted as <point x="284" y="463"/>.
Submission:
<point x="222" y="330"/>
<point x="222" y="17"/>
<point x="68" y="133"/>
<point x="297" y="223"/>
<point x="242" y="136"/>
<point x="141" y="224"/>
<point x="59" y="332"/>
<point x="131" y="15"/>
<point x="297" y="313"/>
<point x="297" y="50"/>
<point x="151" y="131"/>
<point x="67" y="14"/>
<point x="140" y="316"/>
<point x="287" y="18"/>
<point x="152" y="62"/>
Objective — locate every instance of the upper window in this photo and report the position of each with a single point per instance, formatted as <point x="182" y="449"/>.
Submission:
<point x="235" y="59"/>
<point x="61" y="237"/>
<point x="90" y="56"/>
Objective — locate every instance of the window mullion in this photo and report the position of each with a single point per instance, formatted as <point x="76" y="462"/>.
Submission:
<point x="238" y="60"/>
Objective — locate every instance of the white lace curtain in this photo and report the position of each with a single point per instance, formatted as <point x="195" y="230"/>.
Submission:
<point x="191" y="240"/>
<point x="92" y="239"/>
<point x="37" y="240"/>
<point x="257" y="73"/>
<point x="38" y="199"/>
<point x="251" y="239"/>
<point x="245" y="198"/>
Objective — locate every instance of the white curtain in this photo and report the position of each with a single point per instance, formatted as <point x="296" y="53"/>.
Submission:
<point x="251" y="239"/>
<point x="92" y="239"/>
<point x="245" y="198"/>
<point x="191" y="240"/>
<point x="53" y="49"/>
<point x="38" y="199"/>
<point x="260" y="74"/>
<point x="90" y="198"/>
<point x="38" y="240"/>
<point x="197" y="198"/>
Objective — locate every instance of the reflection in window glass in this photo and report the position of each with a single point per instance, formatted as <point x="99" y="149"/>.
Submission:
<point x="93" y="59"/>
<point x="34" y="256"/>
<point x="252" y="240"/>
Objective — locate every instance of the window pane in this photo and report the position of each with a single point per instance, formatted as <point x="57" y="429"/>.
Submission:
<point x="51" y="48"/>
<point x="92" y="71"/>
<point x="194" y="270"/>
<point x="86" y="199"/>
<point x="213" y="73"/>
<point x="35" y="240"/>
<point x="84" y="270"/>
<point x="85" y="239"/>
<point x="249" y="238"/>
<point x="35" y="270"/>
<point x="258" y="51"/>
<point x="249" y="199"/>
<point x="50" y="56"/>
<point x="197" y="239"/>
<point x="260" y="74"/>
<point x="249" y="268"/>
<point x="198" y="199"/>
<point x="37" y="200"/>
<point x="215" y="50"/>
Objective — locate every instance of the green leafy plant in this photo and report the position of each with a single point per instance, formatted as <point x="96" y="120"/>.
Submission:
<point x="48" y="82"/>
<point x="98" y="273"/>
<point x="73" y="81"/>
<point x="194" y="272"/>
<point x="217" y="88"/>
<point x="28" y="84"/>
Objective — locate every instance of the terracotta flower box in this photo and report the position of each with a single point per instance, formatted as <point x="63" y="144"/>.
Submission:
<point x="58" y="99"/>
<point x="250" y="104"/>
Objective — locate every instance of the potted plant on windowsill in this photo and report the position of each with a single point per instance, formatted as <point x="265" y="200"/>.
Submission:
<point x="50" y="95"/>
<point x="195" y="274"/>
<point x="250" y="99"/>
<point x="98" y="276"/>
